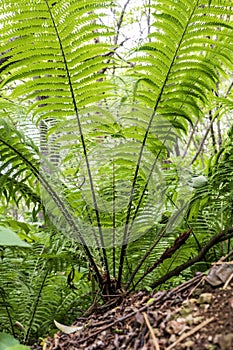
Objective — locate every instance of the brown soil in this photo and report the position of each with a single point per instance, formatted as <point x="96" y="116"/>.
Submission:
<point x="194" y="315"/>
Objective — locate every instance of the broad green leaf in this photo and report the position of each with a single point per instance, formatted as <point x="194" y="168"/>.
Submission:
<point x="10" y="238"/>
<point x="8" y="342"/>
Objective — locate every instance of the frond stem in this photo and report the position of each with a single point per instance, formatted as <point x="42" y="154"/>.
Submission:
<point x="219" y="237"/>
<point x="35" y="307"/>
<point x="82" y="142"/>
<point x="126" y="230"/>
<point x="141" y="262"/>
<point x="60" y="205"/>
<point x="7" y="311"/>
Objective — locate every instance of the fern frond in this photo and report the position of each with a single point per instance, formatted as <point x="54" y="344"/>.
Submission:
<point x="20" y="155"/>
<point x="28" y="300"/>
<point x="182" y="47"/>
<point x="180" y="80"/>
<point x="16" y="179"/>
<point x="55" y="52"/>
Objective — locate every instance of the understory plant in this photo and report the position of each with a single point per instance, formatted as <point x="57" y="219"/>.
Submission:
<point x="97" y="152"/>
<point x="41" y="281"/>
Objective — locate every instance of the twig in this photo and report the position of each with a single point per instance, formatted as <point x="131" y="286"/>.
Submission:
<point x="119" y="23"/>
<point x="209" y="128"/>
<point x="187" y="284"/>
<point x="155" y="341"/>
<point x="191" y="332"/>
<point x="228" y="281"/>
<point x="195" y="287"/>
<point x="221" y="263"/>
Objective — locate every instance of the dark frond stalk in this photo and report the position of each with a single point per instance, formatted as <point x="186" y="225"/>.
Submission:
<point x="7" y="311"/>
<point x="126" y="230"/>
<point x="36" y="303"/>
<point x="95" y="237"/>
<point x="143" y="259"/>
<point x="219" y="135"/>
<point x="60" y="205"/>
<point x="221" y="236"/>
<point x="180" y="240"/>
<point x="219" y="132"/>
<point x="212" y="132"/>
<point x="136" y="211"/>
<point x="135" y="214"/>
<point x="83" y="144"/>
<point x="113" y="222"/>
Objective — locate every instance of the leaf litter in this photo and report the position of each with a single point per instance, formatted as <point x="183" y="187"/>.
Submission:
<point x="195" y="315"/>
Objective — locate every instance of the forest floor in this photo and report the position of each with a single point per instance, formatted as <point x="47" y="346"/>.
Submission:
<point x="195" y="315"/>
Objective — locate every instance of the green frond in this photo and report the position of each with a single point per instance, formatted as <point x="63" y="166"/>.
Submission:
<point x="56" y="44"/>
<point x="17" y="181"/>
<point x="187" y="44"/>
<point x="34" y="286"/>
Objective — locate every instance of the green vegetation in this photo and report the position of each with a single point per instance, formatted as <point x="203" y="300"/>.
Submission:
<point x="7" y="342"/>
<point x="115" y="152"/>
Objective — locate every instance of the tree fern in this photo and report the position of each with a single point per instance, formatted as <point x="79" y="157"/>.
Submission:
<point x="111" y="184"/>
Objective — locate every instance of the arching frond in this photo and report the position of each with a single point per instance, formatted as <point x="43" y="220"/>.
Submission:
<point x="51" y="48"/>
<point x="177" y="69"/>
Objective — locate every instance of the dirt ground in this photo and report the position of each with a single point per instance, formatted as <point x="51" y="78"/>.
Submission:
<point x="195" y="315"/>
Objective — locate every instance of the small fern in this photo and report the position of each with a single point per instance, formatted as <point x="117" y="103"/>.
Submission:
<point x="35" y="291"/>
